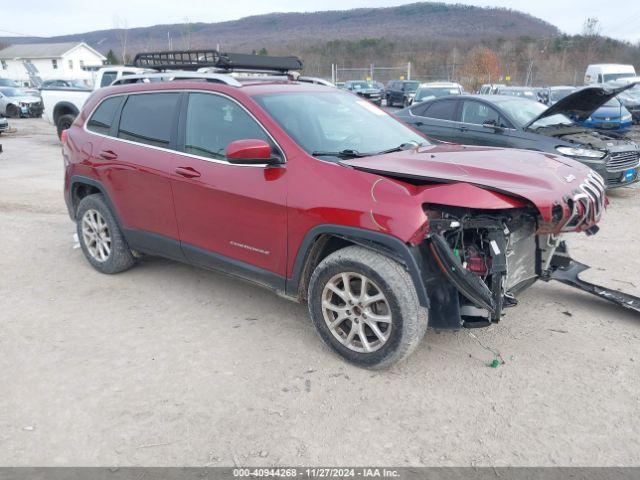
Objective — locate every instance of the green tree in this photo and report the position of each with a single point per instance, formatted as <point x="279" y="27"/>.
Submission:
<point x="111" y="58"/>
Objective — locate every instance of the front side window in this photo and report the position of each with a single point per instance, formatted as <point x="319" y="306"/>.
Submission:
<point x="478" y="113"/>
<point x="102" y="118"/>
<point x="213" y="122"/>
<point x="331" y="121"/>
<point x="149" y="118"/>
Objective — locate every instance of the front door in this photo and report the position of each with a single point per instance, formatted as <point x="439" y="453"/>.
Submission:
<point x="231" y="217"/>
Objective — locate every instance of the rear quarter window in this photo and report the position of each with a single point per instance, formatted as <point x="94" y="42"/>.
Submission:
<point x="149" y="118"/>
<point x="103" y="117"/>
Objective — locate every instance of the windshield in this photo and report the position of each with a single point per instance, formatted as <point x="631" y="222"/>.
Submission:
<point x="519" y="93"/>
<point x="335" y="121"/>
<point x="11" y="92"/>
<point x="434" y="92"/>
<point x="411" y="86"/>
<point x="608" y="77"/>
<point x="361" y="85"/>
<point x="522" y="111"/>
<point x="614" y="102"/>
<point x="560" y="93"/>
<point x="5" y="82"/>
<point x="632" y="94"/>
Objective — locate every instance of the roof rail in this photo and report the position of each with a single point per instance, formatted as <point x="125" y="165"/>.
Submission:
<point x="171" y="76"/>
<point x="197" y="59"/>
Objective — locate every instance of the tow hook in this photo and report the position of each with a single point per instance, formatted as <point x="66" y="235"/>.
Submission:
<point x="566" y="270"/>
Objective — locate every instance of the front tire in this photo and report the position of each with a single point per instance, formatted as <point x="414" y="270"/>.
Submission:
<point x="365" y="307"/>
<point x="13" y="111"/>
<point x="102" y="242"/>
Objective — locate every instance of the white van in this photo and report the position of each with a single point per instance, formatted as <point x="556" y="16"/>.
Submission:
<point x="607" y="72"/>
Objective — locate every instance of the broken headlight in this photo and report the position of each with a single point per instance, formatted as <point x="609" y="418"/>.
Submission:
<point x="581" y="153"/>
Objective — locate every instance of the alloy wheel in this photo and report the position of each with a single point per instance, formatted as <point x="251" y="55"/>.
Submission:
<point x="96" y="236"/>
<point x="356" y="312"/>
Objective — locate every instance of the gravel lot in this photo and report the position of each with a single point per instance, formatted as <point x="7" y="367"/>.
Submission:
<point x="171" y="365"/>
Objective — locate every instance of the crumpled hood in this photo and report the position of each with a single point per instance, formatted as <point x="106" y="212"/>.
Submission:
<point x="580" y="104"/>
<point x="541" y="178"/>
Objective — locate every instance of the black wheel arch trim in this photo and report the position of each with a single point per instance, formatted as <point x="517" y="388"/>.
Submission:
<point x="81" y="179"/>
<point x="384" y="243"/>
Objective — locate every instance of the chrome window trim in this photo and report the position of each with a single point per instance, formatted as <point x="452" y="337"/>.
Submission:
<point x="185" y="154"/>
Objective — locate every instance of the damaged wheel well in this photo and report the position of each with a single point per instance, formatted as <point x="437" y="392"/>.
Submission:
<point x="323" y="240"/>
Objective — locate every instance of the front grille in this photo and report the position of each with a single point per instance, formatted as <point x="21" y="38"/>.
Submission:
<point x="623" y="160"/>
<point x="587" y="203"/>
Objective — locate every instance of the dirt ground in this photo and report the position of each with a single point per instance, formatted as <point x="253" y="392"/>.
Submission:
<point x="171" y="365"/>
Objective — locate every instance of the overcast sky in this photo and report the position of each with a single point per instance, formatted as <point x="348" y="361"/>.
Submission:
<point x="49" y="17"/>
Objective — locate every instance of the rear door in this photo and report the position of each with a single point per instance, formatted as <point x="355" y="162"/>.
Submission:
<point x="436" y="119"/>
<point x="231" y="217"/>
<point x="134" y="161"/>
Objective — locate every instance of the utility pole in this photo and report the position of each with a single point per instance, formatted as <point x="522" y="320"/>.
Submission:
<point x="408" y="70"/>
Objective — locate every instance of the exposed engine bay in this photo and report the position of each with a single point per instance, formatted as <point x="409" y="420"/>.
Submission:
<point x="594" y="139"/>
<point x="491" y="256"/>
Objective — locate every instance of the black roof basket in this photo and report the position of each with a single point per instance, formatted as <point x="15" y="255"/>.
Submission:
<point x="197" y="59"/>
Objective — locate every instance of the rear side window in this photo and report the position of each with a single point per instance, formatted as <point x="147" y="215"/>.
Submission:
<point x="102" y="118"/>
<point x="108" y="78"/>
<point x="441" y="110"/>
<point x="213" y="122"/>
<point x="148" y="118"/>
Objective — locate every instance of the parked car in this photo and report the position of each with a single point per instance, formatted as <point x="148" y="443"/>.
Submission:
<point x="6" y="82"/>
<point x="62" y="83"/>
<point x="62" y="104"/>
<point x="428" y="91"/>
<point x="401" y="92"/>
<point x="607" y="72"/>
<point x="365" y="89"/>
<point x="516" y="122"/>
<point x="556" y="93"/>
<point x="16" y="103"/>
<point x="4" y="125"/>
<point x="524" y="92"/>
<point x="631" y="101"/>
<point x="490" y="88"/>
<point x="610" y="116"/>
<point x="313" y="193"/>
<point x="316" y="80"/>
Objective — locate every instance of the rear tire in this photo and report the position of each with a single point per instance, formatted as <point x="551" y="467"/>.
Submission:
<point x="64" y="123"/>
<point x="101" y="240"/>
<point x="367" y="332"/>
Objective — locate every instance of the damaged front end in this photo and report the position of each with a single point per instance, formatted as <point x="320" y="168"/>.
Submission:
<point x="475" y="262"/>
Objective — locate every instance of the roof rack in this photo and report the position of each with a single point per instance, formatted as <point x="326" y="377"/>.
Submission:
<point x="224" y="62"/>
<point x="170" y="76"/>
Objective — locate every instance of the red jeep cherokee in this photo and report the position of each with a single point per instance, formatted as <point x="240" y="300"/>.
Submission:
<point x="322" y="197"/>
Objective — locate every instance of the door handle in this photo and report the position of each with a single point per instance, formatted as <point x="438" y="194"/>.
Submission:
<point x="464" y="129"/>
<point x="418" y="124"/>
<point x="108" y="154"/>
<point x="187" y="172"/>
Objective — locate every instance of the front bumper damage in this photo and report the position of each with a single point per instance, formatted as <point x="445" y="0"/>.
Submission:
<point x="473" y="268"/>
<point x="566" y="270"/>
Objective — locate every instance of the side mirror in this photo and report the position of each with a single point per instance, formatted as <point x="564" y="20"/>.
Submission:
<point x="250" y="152"/>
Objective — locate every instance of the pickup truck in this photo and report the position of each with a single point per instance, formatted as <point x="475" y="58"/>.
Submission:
<point x="62" y="104"/>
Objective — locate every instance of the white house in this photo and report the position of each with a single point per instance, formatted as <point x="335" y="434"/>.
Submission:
<point x="50" y="61"/>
